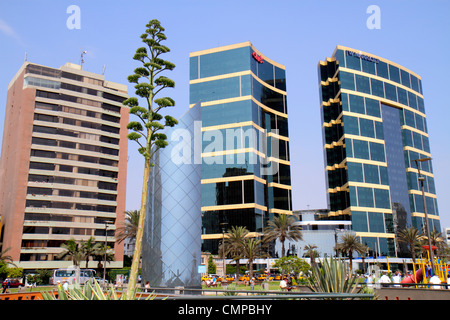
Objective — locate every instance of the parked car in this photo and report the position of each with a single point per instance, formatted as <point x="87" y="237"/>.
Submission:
<point x="229" y="278"/>
<point x="13" y="282"/>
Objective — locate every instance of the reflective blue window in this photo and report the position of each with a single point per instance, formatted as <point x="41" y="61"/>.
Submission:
<point x="371" y="174"/>
<point x="351" y="125"/>
<point x="402" y="96"/>
<point x="377" y="87"/>
<point x="415" y="83"/>
<point x="405" y="78"/>
<point x="379" y="130"/>
<point x="382" y="198"/>
<point x="347" y="80"/>
<point x="367" y="128"/>
<point x="344" y="99"/>
<point x="355" y="172"/>
<point x="377" y="152"/>
<point x="373" y="107"/>
<point x="384" y="178"/>
<point x="340" y="57"/>
<point x="382" y="69"/>
<point x="365" y="197"/>
<point x="362" y="84"/>
<point x="353" y="62"/>
<point x="359" y="221"/>
<point x="224" y="62"/>
<point x="420" y="104"/>
<point x="376" y="221"/>
<point x="394" y="73"/>
<point x="361" y="149"/>
<point x="368" y="66"/>
<point x="356" y="104"/>
<point x="391" y="92"/>
<point x="412" y="100"/>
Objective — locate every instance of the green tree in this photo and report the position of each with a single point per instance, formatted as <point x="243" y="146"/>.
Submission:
<point x="72" y="251"/>
<point x="89" y="249"/>
<point x="146" y="132"/>
<point x="283" y="228"/>
<point x="129" y="227"/>
<point x="349" y="244"/>
<point x="211" y="266"/>
<point x="252" y="249"/>
<point x="411" y="236"/>
<point x="292" y="264"/>
<point x="234" y="239"/>
<point x="4" y="257"/>
<point x="311" y="252"/>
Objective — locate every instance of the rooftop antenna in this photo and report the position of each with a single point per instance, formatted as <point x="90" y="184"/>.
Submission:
<point x="25" y="56"/>
<point x="82" y="58"/>
<point x="103" y="71"/>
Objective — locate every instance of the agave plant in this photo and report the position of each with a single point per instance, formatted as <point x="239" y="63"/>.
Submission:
<point x="90" y="291"/>
<point x="332" y="277"/>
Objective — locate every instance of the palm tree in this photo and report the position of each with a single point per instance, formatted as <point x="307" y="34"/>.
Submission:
<point x="89" y="249"/>
<point x="72" y="251"/>
<point x="233" y="244"/>
<point x="411" y="237"/>
<point x="282" y="227"/>
<point x="252" y="249"/>
<point x="129" y="227"/>
<point x="311" y="252"/>
<point x="4" y="258"/>
<point x="350" y="243"/>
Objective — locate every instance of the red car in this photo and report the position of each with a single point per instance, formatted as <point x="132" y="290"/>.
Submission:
<point x="13" y="283"/>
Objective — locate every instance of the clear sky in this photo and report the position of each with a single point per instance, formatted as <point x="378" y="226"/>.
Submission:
<point x="295" y="33"/>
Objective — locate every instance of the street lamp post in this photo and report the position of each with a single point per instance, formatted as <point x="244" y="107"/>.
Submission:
<point x="223" y="224"/>
<point x="421" y="179"/>
<point x="106" y="244"/>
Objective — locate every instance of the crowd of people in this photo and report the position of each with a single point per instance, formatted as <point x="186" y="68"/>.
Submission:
<point x="395" y="280"/>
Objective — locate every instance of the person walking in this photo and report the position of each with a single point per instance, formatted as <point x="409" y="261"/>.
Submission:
<point x="384" y="280"/>
<point x="397" y="278"/>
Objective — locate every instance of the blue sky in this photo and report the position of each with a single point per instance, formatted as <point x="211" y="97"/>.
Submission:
<point x="295" y="33"/>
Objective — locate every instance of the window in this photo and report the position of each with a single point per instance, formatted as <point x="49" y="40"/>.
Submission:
<point x="362" y="84"/>
<point x="394" y="73"/>
<point x="377" y="87"/>
<point x="382" y="69"/>
<point x="391" y="92"/>
<point x="347" y="80"/>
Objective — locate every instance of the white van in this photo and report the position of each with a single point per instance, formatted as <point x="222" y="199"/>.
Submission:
<point x="72" y="275"/>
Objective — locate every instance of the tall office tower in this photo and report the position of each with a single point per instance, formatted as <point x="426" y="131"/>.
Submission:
<point x="374" y="128"/>
<point x="63" y="163"/>
<point x="245" y="172"/>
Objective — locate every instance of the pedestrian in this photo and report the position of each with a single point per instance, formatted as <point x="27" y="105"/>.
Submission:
<point x="65" y="285"/>
<point x="283" y="284"/>
<point x="252" y="284"/>
<point x="369" y="281"/>
<point x="434" y="281"/>
<point x="147" y="287"/>
<point x="384" y="280"/>
<point x="397" y="278"/>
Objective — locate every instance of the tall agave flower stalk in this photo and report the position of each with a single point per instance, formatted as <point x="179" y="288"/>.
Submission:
<point x="332" y="277"/>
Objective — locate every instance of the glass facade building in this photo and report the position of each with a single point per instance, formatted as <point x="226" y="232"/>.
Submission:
<point x="374" y="127"/>
<point x="172" y="236"/>
<point x="245" y="171"/>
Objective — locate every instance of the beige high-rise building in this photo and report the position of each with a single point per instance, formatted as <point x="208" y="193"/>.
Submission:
<point x="63" y="164"/>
